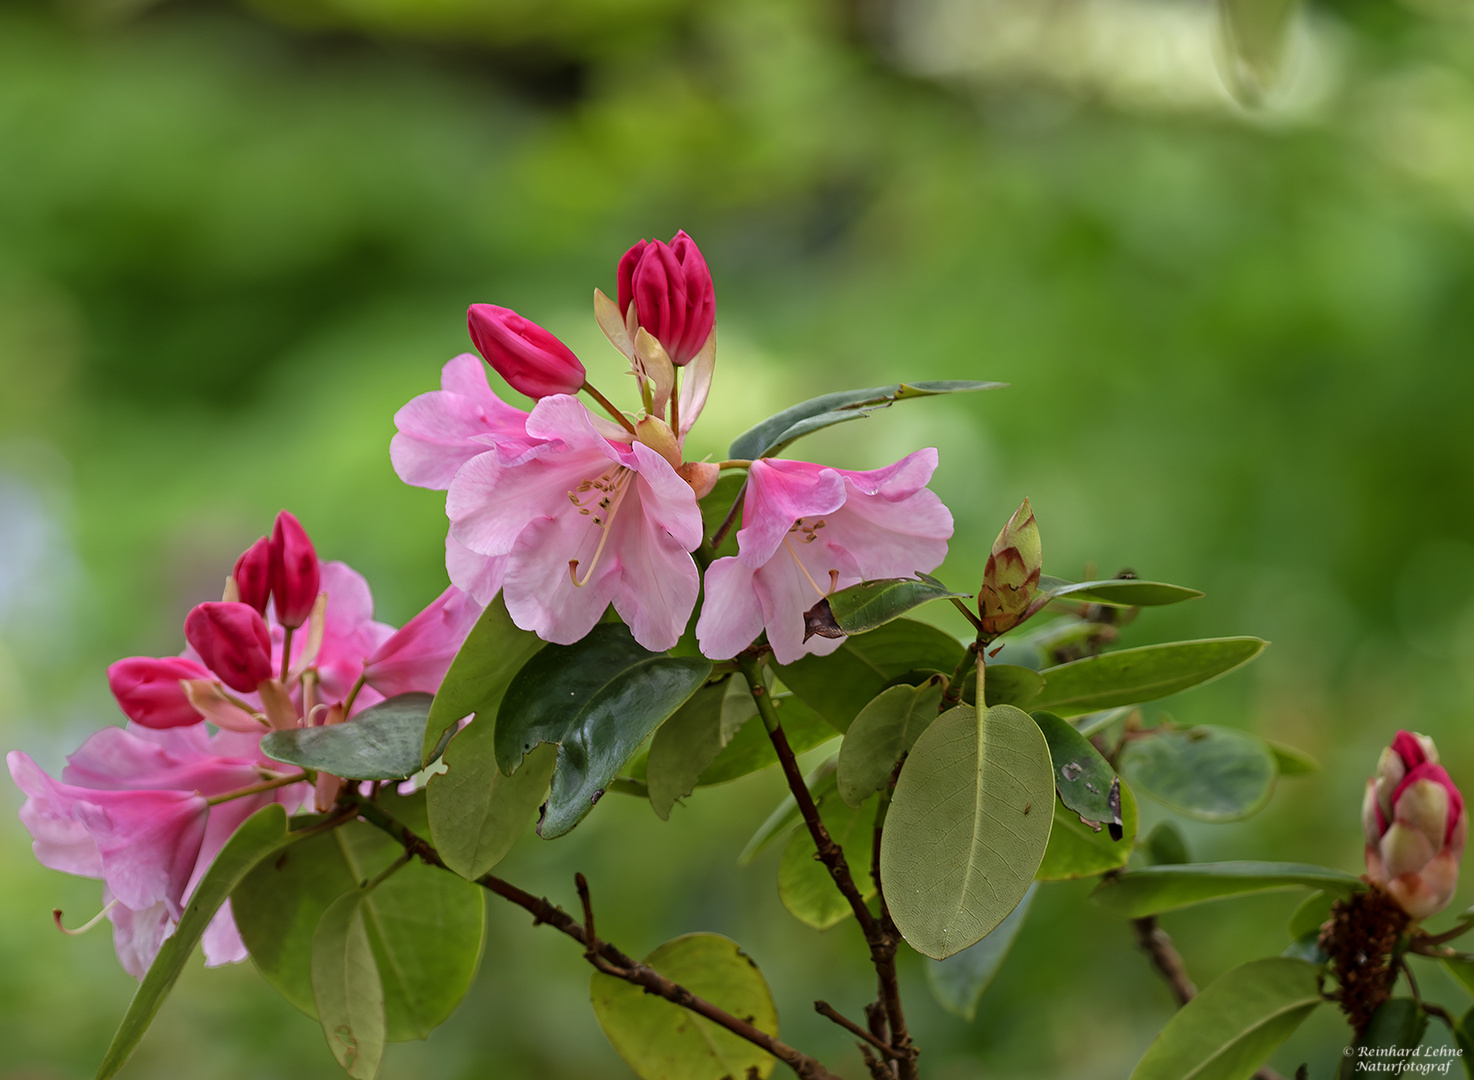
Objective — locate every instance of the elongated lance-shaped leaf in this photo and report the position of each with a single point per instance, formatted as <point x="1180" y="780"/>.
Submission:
<point x="870" y="604"/>
<point x="882" y="734"/>
<point x="780" y="429"/>
<point x="1155" y="889"/>
<point x="1116" y="592"/>
<point x="380" y="743"/>
<point x="261" y="836"/>
<point x="598" y="700"/>
<point x="967" y="828"/>
<point x="958" y="982"/>
<point x="346" y="987"/>
<point x="1227" y="1031"/>
<point x="1209" y="773"/>
<point x="1131" y="676"/>
<point x="494" y="651"/>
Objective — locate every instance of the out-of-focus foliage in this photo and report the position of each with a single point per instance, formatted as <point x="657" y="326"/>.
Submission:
<point x="234" y="238"/>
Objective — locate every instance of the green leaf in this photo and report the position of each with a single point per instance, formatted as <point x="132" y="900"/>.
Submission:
<point x="1166" y="846"/>
<point x="1076" y="850"/>
<point x="1131" y="676"/>
<point x="476" y="812"/>
<point x="1004" y="684"/>
<point x="1312" y="913"/>
<point x="804" y="883"/>
<point x="685" y="746"/>
<point x="380" y="743"/>
<point x="346" y="987"/>
<point x="1207" y="773"/>
<point x="493" y="652"/>
<point x="1164" y="888"/>
<point x="1462" y="970"/>
<point x="260" y="836"/>
<point x="1395" y="1030"/>
<point x="882" y="734"/>
<point x="1227" y="1031"/>
<point x="426" y="925"/>
<point x="715" y="507"/>
<point x="863" y="607"/>
<point x="820" y="783"/>
<point x="958" y="982"/>
<point x="751" y="749"/>
<point x="1116" y="592"/>
<point x="662" y="1041"/>
<point x="780" y="429"/>
<point x="598" y="699"/>
<point x="839" y="685"/>
<point x="1464" y="1036"/>
<point x="1290" y="761"/>
<point x="963" y="814"/>
<point x="1084" y="779"/>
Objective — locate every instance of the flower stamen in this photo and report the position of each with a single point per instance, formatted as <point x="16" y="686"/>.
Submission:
<point x="609" y="504"/>
<point x="833" y="574"/>
<point x="89" y="924"/>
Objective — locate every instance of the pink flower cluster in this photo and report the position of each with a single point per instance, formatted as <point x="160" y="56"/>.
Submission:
<point x="147" y="807"/>
<point x="567" y="511"/>
<point x="1415" y="826"/>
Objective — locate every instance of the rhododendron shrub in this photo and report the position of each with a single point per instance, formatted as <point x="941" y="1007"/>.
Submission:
<point x="330" y="796"/>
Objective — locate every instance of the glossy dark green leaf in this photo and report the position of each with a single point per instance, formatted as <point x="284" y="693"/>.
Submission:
<point x="1117" y="592"/>
<point x="347" y="989"/>
<point x="1208" y="773"/>
<point x="963" y="813"/>
<point x="882" y="734"/>
<point x="380" y="743"/>
<point x="1290" y="761"/>
<point x="1155" y="889"/>
<point x="839" y="685"/>
<point x="1131" y="676"/>
<point x="426" y="925"/>
<point x="260" y="837"/>
<point x="1312" y="913"/>
<point x="493" y="652"/>
<point x="476" y="812"/>
<point x="958" y="982"/>
<point x="804" y="883"/>
<point x="863" y="607"/>
<point x="660" y="1040"/>
<point x="1166" y="846"/>
<point x="1085" y="780"/>
<point x="780" y="429"/>
<point x="821" y="782"/>
<point x="1077" y="850"/>
<point x="1227" y="1031"/>
<point x="598" y="699"/>
<point x="1396" y="1029"/>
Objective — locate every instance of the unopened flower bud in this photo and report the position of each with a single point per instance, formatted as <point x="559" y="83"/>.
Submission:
<point x="295" y="574"/>
<point x="670" y="288"/>
<point x="148" y="690"/>
<point x="1012" y="574"/>
<point x="233" y="642"/>
<point x="531" y="359"/>
<point x="1415" y="825"/>
<point x="253" y="575"/>
<point x="701" y="475"/>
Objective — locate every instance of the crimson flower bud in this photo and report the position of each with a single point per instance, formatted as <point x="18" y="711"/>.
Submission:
<point x="671" y="290"/>
<point x="294" y="572"/>
<point x="253" y="574"/>
<point x="149" y="693"/>
<point x="532" y="360"/>
<point x="233" y="641"/>
<point x="1415" y="825"/>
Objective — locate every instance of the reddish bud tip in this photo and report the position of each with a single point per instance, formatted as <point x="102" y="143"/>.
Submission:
<point x="671" y="289"/>
<point x="233" y="642"/>
<point x="149" y="693"/>
<point x="532" y="360"/>
<point x="294" y="572"/>
<point x="253" y="574"/>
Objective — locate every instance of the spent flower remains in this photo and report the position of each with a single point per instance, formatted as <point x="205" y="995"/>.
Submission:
<point x="624" y="619"/>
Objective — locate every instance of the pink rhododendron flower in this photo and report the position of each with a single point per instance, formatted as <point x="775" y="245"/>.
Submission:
<point x="670" y="290"/>
<point x="418" y="654"/>
<point x="440" y="431"/>
<point x="808" y="530"/>
<point x="532" y="360"/>
<point x="1415" y="826"/>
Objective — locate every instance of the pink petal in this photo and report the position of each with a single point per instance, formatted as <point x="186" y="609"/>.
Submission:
<point x="418" y="654"/>
<point x="138" y="935"/>
<point x="116" y="759"/>
<point x="490" y="504"/>
<point x="666" y="499"/>
<point x="59" y="840"/>
<point x="899" y="481"/>
<point x="538" y="589"/>
<point x="149" y="841"/>
<point x="479" y="576"/>
<point x="731" y="615"/>
<point x="778" y="494"/>
<point x="786" y="592"/>
<point x="892" y="539"/>
<point x="442" y="430"/>
<point x="658" y="580"/>
<point x="222" y="941"/>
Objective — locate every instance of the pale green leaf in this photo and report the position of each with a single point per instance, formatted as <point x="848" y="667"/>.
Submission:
<point x="1116" y="592"/>
<point x="1209" y="773"/>
<point x="882" y="734"/>
<point x="1131" y="676"/>
<point x="958" y="982"/>
<point x="476" y="812"/>
<point x="1155" y="889"/>
<point x="346" y="987"/>
<point x="804" y="883"/>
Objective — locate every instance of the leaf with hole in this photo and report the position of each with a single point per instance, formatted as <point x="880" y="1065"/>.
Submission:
<point x="1086" y="782"/>
<point x="1228" y="1030"/>
<point x="260" y="837"/>
<point x="1116" y="592"/>
<point x="380" y="743"/>
<point x="780" y="429"/>
<point x="1208" y="773"/>
<point x="958" y="982"/>
<point x="1076" y="850"/>
<point x="346" y="987"/>
<point x="962" y="840"/>
<point x="659" y="1040"/>
<point x="1156" y="889"/>
<point x="882" y="734"/>
<point x="598" y="700"/>
<point x="804" y="883"/>
<point x="476" y="811"/>
<point x="1131" y="676"/>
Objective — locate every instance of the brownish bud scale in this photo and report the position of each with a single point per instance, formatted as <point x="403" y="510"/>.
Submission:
<point x="1012" y="575"/>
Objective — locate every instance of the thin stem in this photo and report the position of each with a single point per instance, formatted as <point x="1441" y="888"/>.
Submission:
<point x="953" y="694"/>
<point x="610" y="959"/>
<point x="823" y="1008"/>
<point x="1165" y="957"/>
<point x="675" y="403"/>
<point x="1448" y="935"/>
<point x="735" y="463"/>
<point x="256" y="789"/>
<point x="353" y="694"/>
<point x="286" y="655"/>
<point x="588" y="388"/>
<point x="731" y="518"/>
<point x="386" y="873"/>
<point x="977" y="623"/>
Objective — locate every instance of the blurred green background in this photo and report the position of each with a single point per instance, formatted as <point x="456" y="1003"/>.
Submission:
<point x="235" y="237"/>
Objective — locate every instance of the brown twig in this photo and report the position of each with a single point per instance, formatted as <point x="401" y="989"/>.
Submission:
<point x="604" y="956"/>
<point x="731" y="518"/>
<point x="823" y="1008"/>
<point x="882" y="943"/>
